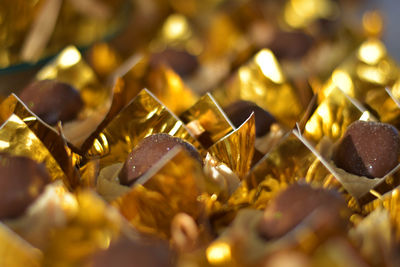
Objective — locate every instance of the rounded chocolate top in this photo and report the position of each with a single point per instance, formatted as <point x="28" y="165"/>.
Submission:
<point x="294" y="204"/>
<point x="150" y="150"/>
<point x="291" y="45"/>
<point x="21" y="182"/>
<point x="180" y="61"/>
<point x="368" y="148"/>
<point x="239" y="111"/>
<point x="128" y="253"/>
<point x="52" y="100"/>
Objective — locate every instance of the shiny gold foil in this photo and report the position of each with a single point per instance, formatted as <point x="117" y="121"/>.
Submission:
<point x="172" y="186"/>
<point x="92" y="227"/>
<point x="144" y="116"/>
<point x="17" y="139"/>
<point x="16" y="252"/>
<point x="332" y="115"/>
<point x="237" y="149"/>
<point x="364" y="76"/>
<point x="210" y="116"/>
<point x="262" y="81"/>
<point x="53" y="141"/>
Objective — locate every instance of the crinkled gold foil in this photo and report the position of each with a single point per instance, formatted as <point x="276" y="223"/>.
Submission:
<point x="332" y="115"/>
<point x="144" y="116"/>
<point x="17" y="139"/>
<point x="210" y="116"/>
<point x="364" y="77"/>
<point x="236" y="150"/>
<point x="262" y="81"/>
<point x="16" y="252"/>
<point x="172" y="186"/>
<point x="53" y="141"/>
<point x="93" y="225"/>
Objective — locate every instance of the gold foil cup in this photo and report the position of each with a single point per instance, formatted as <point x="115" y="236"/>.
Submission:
<point x="145" y="115"/>
<point x="262" y="82"/>
<point x="207" y="117"/>
<point x="236" y="150"/>
<point x="173" y="185"/>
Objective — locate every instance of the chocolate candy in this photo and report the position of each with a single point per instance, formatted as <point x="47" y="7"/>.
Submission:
<point x="369" y="149"/>
<point x="150" y="150"/>
<point x="128" y="253"/>
<point x="180" y="61"/>
<point x="52" y="101"/>
<point x="21" y="182"/>
<point x="295" y="204"/>
<point x="240" y="111"/>
<point x="291" y="45"/>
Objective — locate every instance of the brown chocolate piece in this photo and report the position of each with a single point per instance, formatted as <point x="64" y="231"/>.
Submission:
<point x="239" y="111"/>
<point x="291" y="45"/>
<point x="52" y="100"/>
<point x="180" y="61"/>
<point x="21" y="182"/>
<point x="295" y="204"/>
<point x="128" y="253"/>
<point x="368" y="149"/>
<point x="150" y="150"/>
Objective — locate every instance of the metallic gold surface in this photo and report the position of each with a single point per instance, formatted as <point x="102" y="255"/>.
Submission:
<point x="15" y="252"/>
<point x="332" y="115"/>
<point x="172" y="186"/>
<point x="144" y="116"/>
<point x="262" y="81"/>
<point x="92" y="227"/>
<point x="17" y="139"/>
<point x="236" y="150"/>
<point x="210" y="116"/>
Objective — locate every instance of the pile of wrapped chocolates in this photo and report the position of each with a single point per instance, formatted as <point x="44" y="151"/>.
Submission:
<point x="196" y="133"/>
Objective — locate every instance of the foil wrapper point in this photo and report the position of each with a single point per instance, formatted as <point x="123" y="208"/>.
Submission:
<point x="145" y="115"/>
<point x="236" y="150"/>
<point x="17" y="139"/>
<point x="206" y="117"/>
<point x="172" y="186"/>
<point x="52" y="140"/>
<point x="262" y="82"/>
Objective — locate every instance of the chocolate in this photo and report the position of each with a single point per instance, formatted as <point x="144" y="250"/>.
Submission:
<point x="21" y="182"/>
<point x="295" y="204"/>
<point x="128" y="253"/>
<point x="52" y="100"/>
<point x="291" y="45"/>
<point x="150" y="150"/>
<point x="368" y="148"/>
<point x="180" y="61"/>
<point x="239" y="111"/>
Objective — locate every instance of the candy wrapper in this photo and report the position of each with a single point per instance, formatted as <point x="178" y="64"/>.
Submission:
<point x="262" y="82"/>
<point x="144" y="116"/>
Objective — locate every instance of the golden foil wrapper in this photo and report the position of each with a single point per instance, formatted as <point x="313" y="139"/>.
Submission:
<point x="145" y="115"/>
<point x="262" y="82"/>
<point x="91" y="227"/>
<point x="236" y="150"/>
<point x="15" y="252"/>
<point x="17" y="139"/>
<point x="208" y="118"/>
<point x="172" y="186"/>
<point x="365" y="75"/>
<point x="52" y="140"/>
<point x="162" y="81"/>
<point x="332" y="116"/>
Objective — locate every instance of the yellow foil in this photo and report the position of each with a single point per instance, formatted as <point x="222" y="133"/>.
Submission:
<point x="172" y="186"/>
<point x="16" y="252"/>
<point x="262" y="81"/>
<point x="144" y="116"/>
<point x="92" y="227"/>
<point x="17" y="139"/>
<point x="237" y="149"/>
